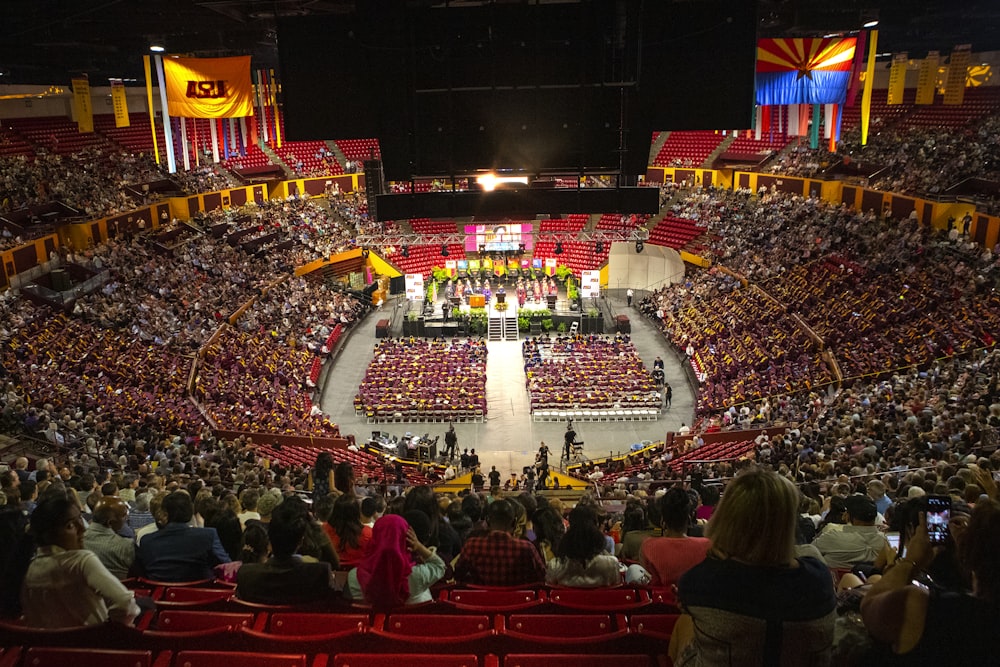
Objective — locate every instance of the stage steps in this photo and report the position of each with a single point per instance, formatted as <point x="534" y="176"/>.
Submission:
<point x="510" y="328"/>
<point x="495" y="329"/>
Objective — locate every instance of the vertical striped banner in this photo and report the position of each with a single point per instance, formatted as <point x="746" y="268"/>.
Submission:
<point x="81" y="104"/>
<point x="803" y="120"/>
<point x="274" y="107"/>
<point x="793" y="120"/>
<point x="215" y="139"/>
<point x="149" y="104"/>
<point x="897" y="78"/>
<point x="856" y="72"/>
<point x="119" y="103"/>
<point x="167" y="132"/>
<point x="927" y="80"/>
<point x="958" y="68"/>
<point x="243" y="135"/>
<point x="833" y="124"/>
<point x="184" y="144"/>
<point x="866" y="96"/>
<point x="814" y="130"/>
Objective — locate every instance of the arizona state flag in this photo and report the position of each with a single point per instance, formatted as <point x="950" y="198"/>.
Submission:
<point x="208" y="87"/>
<point x="804" y="71"/>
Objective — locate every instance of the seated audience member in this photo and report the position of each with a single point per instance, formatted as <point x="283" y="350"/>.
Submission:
<point x="140" y="516"/>
<point x="581" y="560"/>
<point x="922" y="625"/>
<point x="179" y="552"/>
<point x="397" y="568"/>
<point x="751" y="602"/>
<point x="638" y="524"/>
<point x="346" y="532"/>
<point x="67" y="585"/>
<point x="116" y="552"/>
<point x="498" y="558"/>
<point x="668" y="557"/>
<point x="285" y="578"/>
<point x="859" y="541"/>
<point x="159" y="517"/>
<point x="549" y="531"/>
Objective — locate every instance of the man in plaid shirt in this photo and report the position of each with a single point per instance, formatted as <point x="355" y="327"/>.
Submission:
<point x="498" y="558"/>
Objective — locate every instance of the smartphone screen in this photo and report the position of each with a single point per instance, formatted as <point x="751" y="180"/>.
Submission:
<point x="938" y="515"/>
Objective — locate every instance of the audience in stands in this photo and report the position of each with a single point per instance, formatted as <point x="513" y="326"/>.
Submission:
<point x="66" y="585"/>
<point x="286" y="577"/>
<point x="498" y="558"/>
<point x="397" y="568"/>
<point x="668" y="557"/>
<point x="751" y="601"/>
<point x="581" y="559"/>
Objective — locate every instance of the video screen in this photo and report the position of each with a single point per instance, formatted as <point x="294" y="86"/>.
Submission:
<point x="498" y="237"/>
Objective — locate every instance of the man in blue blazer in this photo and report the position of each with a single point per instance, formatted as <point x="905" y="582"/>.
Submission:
<point x="179" y="552"/>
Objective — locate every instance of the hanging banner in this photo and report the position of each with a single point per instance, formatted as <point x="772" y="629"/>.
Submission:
<point x="927" y="80"/>
<point x="119" y="103"/>
<point x="590" y="284"/>
<point x="149" y="105"/>
<point x="897" y="78"/>
<point x="414" y="286"/>
<point x="866" y="95"/>
<point x="804" y="71"/>
<point x="209" y="87"/>
<point x="793" y="120"/>
<point x="82" y="105"/>
<point x="958" y="66"/>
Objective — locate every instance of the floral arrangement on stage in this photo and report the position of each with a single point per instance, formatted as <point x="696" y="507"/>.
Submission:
<point x="500" y="306"/>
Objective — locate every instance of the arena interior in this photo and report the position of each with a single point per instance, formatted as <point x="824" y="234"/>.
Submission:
<point x="558" y="355"/>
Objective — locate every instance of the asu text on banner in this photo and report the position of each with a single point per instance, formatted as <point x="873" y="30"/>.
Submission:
<point x="208" y="87"/>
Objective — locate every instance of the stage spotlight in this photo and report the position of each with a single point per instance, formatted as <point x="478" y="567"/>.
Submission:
<point x="639" y="246"/>
<point x="364" y="253"/>
<point x="444" y="249"/>
<point x="520" y="248"/>
<point x="406" y="251"/>
<point x="559" y="248"/>
<point x="482" y="248"/>
<point x="156" y="48"/>
<point x="599" y="248"/>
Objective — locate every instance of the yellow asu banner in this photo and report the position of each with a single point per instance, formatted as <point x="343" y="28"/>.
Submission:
<point x="84" y="109"/>
<point x="208" y="87"/>
<point x="119" y="103"/>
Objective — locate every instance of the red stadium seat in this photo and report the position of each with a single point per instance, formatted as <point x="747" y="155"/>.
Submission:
<point x="41" y="656"/>
<point x="477" y="599"/>
<point x="575" y="660"/>
<point x="242" y="659"/>
<point x="406" y="660"/>
<point x="437" y="629"/>
<point x="600" y="599"/>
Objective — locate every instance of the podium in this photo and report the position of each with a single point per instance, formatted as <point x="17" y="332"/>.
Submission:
<point x="477" y="301"/>
<point x="382" y="328"/>
<point x="623" y="324"/>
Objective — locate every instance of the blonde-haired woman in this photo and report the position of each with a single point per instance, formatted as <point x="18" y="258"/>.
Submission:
<point x="751" y="601"/>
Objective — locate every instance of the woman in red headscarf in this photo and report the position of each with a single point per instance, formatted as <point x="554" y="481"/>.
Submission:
<point x="397" y="568"/>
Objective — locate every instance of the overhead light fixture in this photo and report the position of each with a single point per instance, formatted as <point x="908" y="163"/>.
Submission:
<point x="520" y="248"/>
<point x="871" y="24"/>
<point x="444" y="250"/>
<point x="406" y="251"/>
<point x="482" y="248"/>
<point x="639" y="246"/>
<point x="156" y="48"/>
<point x="364" y="253"/>
<point x="489" y="182"/>
<point x="599" y="248"/>
<point x="559" y="248"/>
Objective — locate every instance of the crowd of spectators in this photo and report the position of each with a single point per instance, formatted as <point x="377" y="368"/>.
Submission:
<point x="257" y="383"/>
<point x="879" y="293"/>
<point x="587" y="371"/>
<point x="425" y="379"/>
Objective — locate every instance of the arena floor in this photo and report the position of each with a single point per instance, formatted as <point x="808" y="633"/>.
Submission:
<point x="509" y="438"/>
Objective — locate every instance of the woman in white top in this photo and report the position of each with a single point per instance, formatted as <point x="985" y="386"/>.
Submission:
<point x="582" y="560"/>
<point x="66" y="585"/>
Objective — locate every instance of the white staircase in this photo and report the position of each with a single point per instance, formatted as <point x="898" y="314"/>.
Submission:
<point x="510" y="328"/>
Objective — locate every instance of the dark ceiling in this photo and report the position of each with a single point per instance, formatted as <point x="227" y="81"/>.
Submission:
<point x="47" y="41"/>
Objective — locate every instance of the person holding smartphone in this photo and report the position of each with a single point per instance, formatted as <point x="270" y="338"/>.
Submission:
<point x="918" y="625"/>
